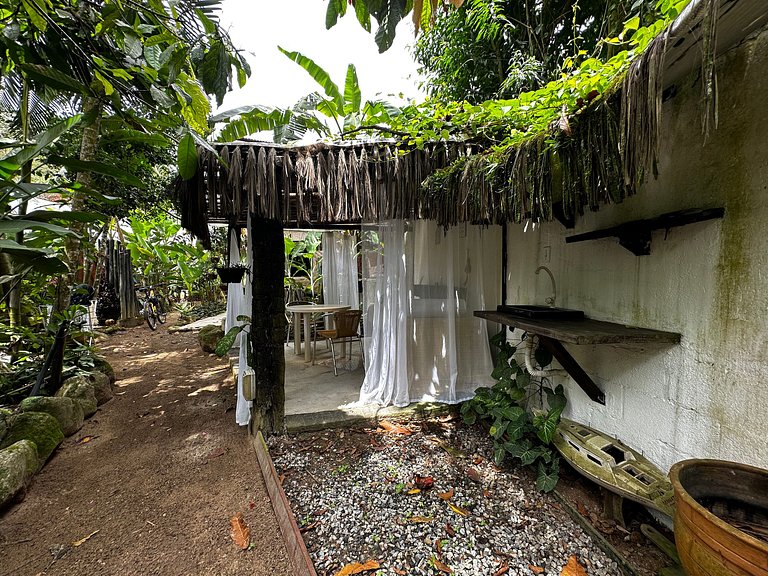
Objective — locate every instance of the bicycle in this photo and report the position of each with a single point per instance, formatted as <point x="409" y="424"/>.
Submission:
<point x="152" y="307"/>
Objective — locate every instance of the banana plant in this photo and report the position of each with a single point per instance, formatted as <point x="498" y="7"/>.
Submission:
<point x="329" y="111"/>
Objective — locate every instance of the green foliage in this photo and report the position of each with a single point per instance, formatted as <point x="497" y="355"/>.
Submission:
<point x="228" y="340"/>
<point x="302" y="260"/>
<point x="313" y="112"/>
<point x="150" y="64"/>
<point x="386" y="12"/>
<point x="32" y="342"/>
<point x="522" y="432"/>
<point x="161" y="252"/>
<point x="491" y="49"/>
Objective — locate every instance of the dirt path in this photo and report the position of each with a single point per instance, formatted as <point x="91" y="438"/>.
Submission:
<point x="166" y="469"/>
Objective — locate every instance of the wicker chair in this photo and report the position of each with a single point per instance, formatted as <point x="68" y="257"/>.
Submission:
<point x="346" y="329"/>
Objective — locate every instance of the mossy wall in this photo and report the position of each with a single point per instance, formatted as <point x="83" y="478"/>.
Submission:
<point x="706" y="397"/>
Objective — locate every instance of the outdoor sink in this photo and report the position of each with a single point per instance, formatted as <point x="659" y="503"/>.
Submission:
<point x="534" y="312"/>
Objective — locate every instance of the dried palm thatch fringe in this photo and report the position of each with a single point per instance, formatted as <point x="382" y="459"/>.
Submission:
<point x="708" y="72"/>
<point x="640" y="123"/>
<point x="601" y="154"/>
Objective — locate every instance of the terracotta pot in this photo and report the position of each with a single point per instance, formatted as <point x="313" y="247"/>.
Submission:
<point x="707" y="544"/>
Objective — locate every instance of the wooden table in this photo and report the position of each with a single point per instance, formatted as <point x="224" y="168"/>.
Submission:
<point x="552" y="334"/>
<point x="307" y="311"/>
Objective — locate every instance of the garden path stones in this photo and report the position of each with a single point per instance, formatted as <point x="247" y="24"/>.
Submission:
<point x="208" y="337"/>
<point x="68" y="412"/>
<point x="102" y="387"/>
<point x="100" y="364"/>
<point x="81" y="389"/>
<point x="18" y="463"/>
<point x="40" y="428"/>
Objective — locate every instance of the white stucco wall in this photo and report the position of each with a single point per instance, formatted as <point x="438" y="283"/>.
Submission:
<point x="707" y="396"/>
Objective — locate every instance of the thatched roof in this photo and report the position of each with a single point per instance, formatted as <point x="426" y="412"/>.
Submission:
<point x="603" y="154"/>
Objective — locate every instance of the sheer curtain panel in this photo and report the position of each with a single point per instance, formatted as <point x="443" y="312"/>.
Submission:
<point x="421" y="287"/>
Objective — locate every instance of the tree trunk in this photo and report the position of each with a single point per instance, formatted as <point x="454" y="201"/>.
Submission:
<point x="268" y="324"/>
<point x="74" y="247"/>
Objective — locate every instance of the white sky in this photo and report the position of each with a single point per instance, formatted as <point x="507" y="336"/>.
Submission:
<point x="258" y="27"/>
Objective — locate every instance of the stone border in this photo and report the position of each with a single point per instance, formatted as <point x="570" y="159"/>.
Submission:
<point x="294" y="542"/>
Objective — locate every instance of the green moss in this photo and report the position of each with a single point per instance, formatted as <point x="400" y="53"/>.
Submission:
<point x="18" y="463"/>
<point x="38" y="427"/>
<point x="100" y="364"/>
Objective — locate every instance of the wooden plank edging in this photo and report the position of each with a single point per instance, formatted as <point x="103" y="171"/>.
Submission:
<point x="298" y="554"/>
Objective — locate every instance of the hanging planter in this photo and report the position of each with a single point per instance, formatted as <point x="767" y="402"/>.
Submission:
<point x="232" y="274"/>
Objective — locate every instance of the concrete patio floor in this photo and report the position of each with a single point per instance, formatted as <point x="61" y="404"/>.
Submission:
<point x="316" y="399"/>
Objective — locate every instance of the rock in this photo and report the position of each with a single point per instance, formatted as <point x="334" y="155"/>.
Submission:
<point x="40" y="428"/>
<point x="3" y="426"/>
<point x="80" y="388"/>
<point x="208" y="337"/>
<point x="68" y="412"/>
<point x="100" y="364"/>
<point x="18" y="463"/>
<point x="102" y="388"/>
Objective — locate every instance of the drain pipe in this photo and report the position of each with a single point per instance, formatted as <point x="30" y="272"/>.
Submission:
<point x="529" y="363"/>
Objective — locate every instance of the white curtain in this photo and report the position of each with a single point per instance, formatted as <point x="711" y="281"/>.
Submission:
<point x="235" y="294"/>
<point x="421" y="287"/>
<point x="340" y="285"/>
<point x="239" y="299"/>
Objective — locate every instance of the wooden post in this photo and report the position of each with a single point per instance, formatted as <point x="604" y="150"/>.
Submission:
<point x="268" y="324"/>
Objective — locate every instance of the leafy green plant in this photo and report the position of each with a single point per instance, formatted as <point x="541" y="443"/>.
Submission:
<point x="518" y="429"/>
<point x="314" y="112"/>
<point x="228" y="340"/>
<point x="302" y="260"/>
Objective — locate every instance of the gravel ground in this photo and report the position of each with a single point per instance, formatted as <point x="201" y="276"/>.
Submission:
<point x="355" y="495"/>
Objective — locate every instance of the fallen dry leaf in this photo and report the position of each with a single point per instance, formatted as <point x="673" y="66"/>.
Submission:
<point x="86" y="439"/>
<point x="439" y="547"/>
<point x="388" y="426"/>
<point x="413" y="491"/>
<point x="423" y="482"/>
<point x="446" y="495"/>
<point x="251" y="504"/>
<point x="309" y="527"/>
<point x="216" y="452"/>
<point x="474" y="475"/>
<point x="281" y="479"/>
<point x="449" y="530"/>
<point x="240" y="532"/>
<point x="573" y="568"/>
<point x="420" y="519"/>
<point x="441" y="566"/>
<point x="356" y="568"/>
<point x="536" y="569"/>
<point x="477" y="460"/>
<point x="400" y="572"/>
<point x="582" y="509"/>
<point x="486" y="493"/>
<point x="458" y="510"/>
<point x="82" y="541"/>
<point x="503" y="569"/>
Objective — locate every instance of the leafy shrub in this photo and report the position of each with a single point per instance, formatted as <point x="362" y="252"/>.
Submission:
<point x="518" y="429"/>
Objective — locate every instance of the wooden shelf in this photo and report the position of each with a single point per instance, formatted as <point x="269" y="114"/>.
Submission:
<point x="582" y="331"/>
<point x="552" y="334"/>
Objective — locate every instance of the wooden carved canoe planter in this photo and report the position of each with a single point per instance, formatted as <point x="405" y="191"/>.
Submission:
<point x="231" y="274"/>
<point x="614" y="466"/>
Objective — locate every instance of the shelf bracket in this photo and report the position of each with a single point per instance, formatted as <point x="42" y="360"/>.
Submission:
<point x="573" y="368"/>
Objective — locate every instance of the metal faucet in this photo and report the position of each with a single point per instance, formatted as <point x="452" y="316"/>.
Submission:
<point x="551" y="300"/>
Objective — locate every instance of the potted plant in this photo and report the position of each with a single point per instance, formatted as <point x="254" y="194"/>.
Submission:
<point x="232" y="274"/>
